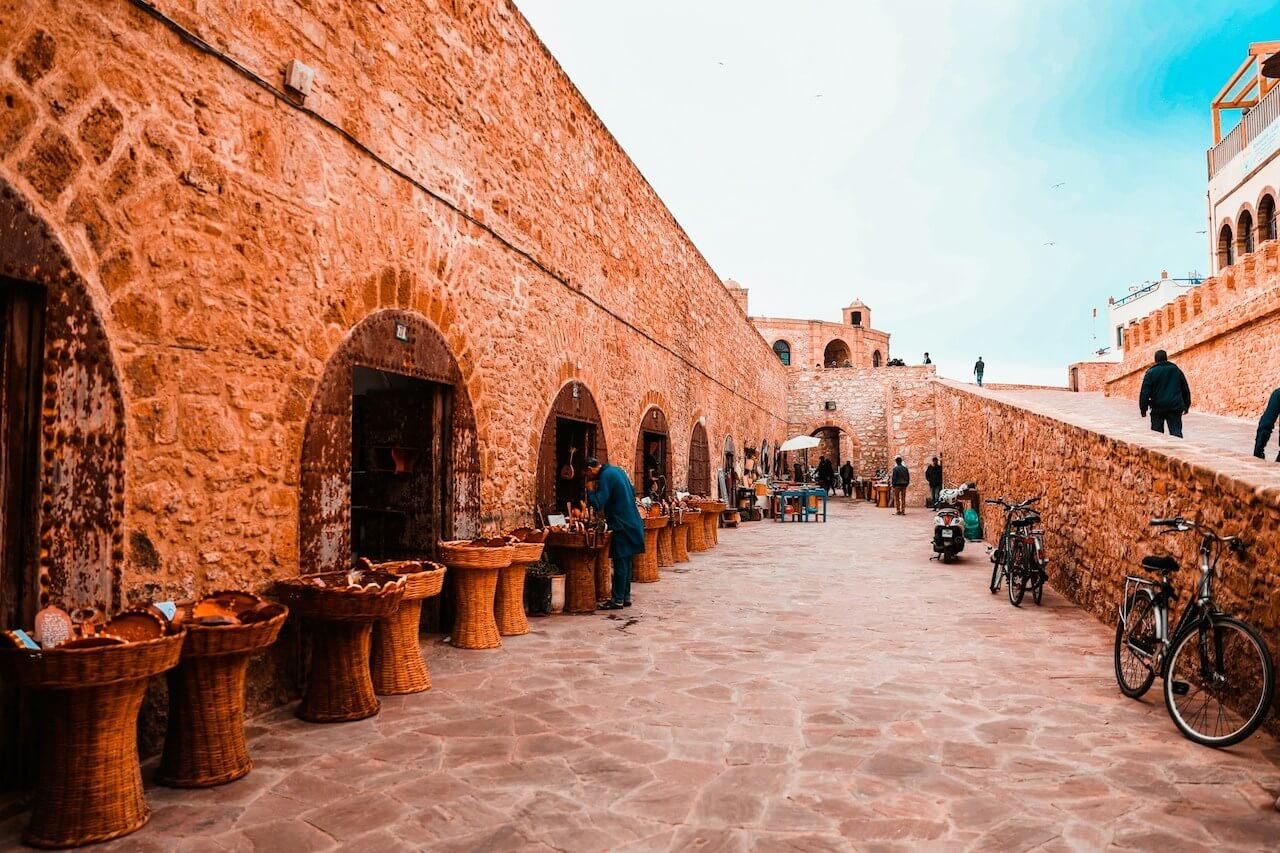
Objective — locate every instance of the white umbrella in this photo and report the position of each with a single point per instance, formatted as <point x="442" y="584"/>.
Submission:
<point x="800" y="442"/>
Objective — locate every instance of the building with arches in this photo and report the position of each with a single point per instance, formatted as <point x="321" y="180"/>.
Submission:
<point x="852" y="342"/>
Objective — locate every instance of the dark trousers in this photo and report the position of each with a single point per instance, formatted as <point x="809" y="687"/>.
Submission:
<point x="622" y="579"/>
<point x="1173" y="419"/>
<point x="933" y="495"/>
<point x="900" y="499"/>
<point x="847" y="485"/>
<point x="979" y="375"/>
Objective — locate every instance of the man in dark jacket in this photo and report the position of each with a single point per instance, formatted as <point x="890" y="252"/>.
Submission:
<point x="1265" y="426"/>
<point x="1166" y="393"/>
<point x="826" y="474"/>
<point x="846" y="478"/>
<point x="933" y="476"/>
<point x="979" y="367"/>
<point x="899" y="479"/>
<point x="610" y="492"/>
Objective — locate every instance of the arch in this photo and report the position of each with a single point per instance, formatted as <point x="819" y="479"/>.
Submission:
<point x="1266" y="217"/>
<point x="653" y="453"/>
<point x="325" y="513"/>
<point x="1244" y="233"/>
<point x="573" y="430"/>
<point x="1226" y="246"/>
<point x="836" y="354"/>
<point x="699" y="482"/>
<point x="875" y="358"/>
<point x="782" y="349"/>
<point x="73" y="448"/>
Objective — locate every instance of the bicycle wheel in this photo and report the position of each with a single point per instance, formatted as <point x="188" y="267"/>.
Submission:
<point x="1135" y="646"/>
<point x="1037" y="588"/>
<point x="1219" y="681"/>
<point x="1018" y="570"/>
<point x="997" y="566"/>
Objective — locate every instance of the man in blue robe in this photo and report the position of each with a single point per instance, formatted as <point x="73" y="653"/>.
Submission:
<point x="610" y="492"/>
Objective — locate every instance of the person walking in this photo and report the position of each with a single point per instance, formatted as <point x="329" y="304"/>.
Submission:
<point x="1266" y="424"/>
<point x="927" y="360"/>
<point x="899" y="479"/>
<point x="933" y="476"/>
<point x="610" y="492"/>
<point x="826" y="474"/>
<point x="846" y="478"/>
<point x="978" y="369"/>
<point x="1166" y="393"/>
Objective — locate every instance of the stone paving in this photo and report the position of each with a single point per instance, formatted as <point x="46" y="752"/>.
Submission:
<point x="802" y="687"/>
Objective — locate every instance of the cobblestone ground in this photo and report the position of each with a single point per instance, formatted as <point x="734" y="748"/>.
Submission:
<point x="803" y="687"/>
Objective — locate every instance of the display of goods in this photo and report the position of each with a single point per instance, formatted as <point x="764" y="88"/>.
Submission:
<point x="137" y="625"/>
<point x="483" y="553"/>
<point x="53" y="627"/>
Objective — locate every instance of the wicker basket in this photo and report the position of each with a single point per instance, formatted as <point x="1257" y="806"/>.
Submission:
<point x="698" y="533"/>
<point x="666" y="546"/>
<point x="461" y="554"/>
<point x="204" y="744"/>
<point x="508" y="606"/>
<point x="579" y="565"/>
<point x="339" y="687"/>
<point x="684" y="532"/>
<point x="475" y="589"/>
<point x="396" y="666"/>
<point x="646" y="563"/>
<point x="86" y="701"/>
<point x="604" y="574"/>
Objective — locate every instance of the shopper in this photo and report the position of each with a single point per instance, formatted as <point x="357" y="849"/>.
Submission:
<point x="846" y="478"/>
<point x="1166" y="393"/>
<point x="826" y="474"/>
<point x="933" y="476"/>
<point x="899" y="479"/>
<point x="1266" y="424"/>
<point x="978" y="369"/>
<point x="610" y="492"/>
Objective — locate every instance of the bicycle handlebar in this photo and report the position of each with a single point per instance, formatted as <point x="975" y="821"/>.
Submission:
<point x="1004" y="503"/>
<point x="1180" y="524"/>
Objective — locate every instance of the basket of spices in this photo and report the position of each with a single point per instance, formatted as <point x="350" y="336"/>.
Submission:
<point x="341" y="608"/>
<point x="205" y="745"/>
<point x="475" y="564"/>
<point x="396" y="664"/>
<point x="87" y="686"/>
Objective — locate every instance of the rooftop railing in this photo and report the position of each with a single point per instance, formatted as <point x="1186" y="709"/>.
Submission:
<point x="1245" y="132"/>
<point x="1143" y="291"/>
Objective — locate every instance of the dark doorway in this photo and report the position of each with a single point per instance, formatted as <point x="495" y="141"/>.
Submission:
<point x="699" y="462"/>
<point x="401" y="485"/>
<point x="571" y="433"/>
<point x="653" y="455"/>
<point x="575" y="442"/>
<point x="21" y="360"/>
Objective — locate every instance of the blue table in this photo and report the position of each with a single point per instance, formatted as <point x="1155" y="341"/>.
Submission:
<point x="801" y="496"/>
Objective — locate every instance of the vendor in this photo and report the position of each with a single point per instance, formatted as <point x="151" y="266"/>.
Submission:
<point x="610" y="492"/>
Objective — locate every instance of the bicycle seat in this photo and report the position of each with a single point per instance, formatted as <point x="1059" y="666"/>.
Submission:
<point x="1026" y="521"/>
<point x="1164" y="565"/>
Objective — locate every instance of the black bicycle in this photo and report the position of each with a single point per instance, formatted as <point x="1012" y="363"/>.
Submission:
<point x="1018" y="558"/>
<point x="1217" y="672"/>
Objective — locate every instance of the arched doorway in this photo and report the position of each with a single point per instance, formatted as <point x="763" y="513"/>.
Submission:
<point x="62" y="446"/>
<point x="837" y="354"/>
<point x="1244" y="228"/>
<point x="572" y="432"/>
<point x="875" y="358"/>
<point x="1226" y="247"/>
<point x="699" y="461"/>
<point x="730" y="471"/>
<point x="390" y="457"/>
<point x="653" y="455"/>
<point x="1266" y="218"/>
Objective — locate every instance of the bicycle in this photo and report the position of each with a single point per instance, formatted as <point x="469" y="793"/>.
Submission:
<point x="1019" y="556"/>
<point x="1218" y="675"/>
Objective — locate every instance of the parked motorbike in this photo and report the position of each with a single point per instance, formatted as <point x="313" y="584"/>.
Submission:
<point x="948" y="524"/>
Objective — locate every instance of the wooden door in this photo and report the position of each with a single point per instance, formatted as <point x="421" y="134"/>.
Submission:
<point x="21" y="358"/>
<point x="699" y="462"/>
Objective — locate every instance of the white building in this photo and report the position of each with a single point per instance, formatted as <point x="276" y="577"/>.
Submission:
<point x="1244" y="170"/>
<point x="1140" y="301"/>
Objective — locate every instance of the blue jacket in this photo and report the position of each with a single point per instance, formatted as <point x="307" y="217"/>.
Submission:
<point x="614" y="497"/>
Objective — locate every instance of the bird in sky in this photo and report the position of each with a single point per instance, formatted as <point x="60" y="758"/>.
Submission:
<point x="1202" y="232"/>
<point x="1061" y="184"/>
<point x="1051" y="244"/>
<point x="819" y="95"/>
<point x="721" y="64"/>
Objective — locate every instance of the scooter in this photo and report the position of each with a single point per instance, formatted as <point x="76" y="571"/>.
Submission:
<point x="948" y="525"/>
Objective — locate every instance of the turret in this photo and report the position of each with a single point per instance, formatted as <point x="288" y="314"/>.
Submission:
<point x="857" y="314"/>
<point x="738" y="292"/>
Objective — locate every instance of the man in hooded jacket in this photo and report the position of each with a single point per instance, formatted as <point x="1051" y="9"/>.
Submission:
<point x="1166" y="393"/>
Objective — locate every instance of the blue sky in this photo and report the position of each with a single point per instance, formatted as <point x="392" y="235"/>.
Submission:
<point x="905" y="153"/>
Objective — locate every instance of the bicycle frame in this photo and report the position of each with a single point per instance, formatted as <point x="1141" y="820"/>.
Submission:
<point x="1196" y="614"/>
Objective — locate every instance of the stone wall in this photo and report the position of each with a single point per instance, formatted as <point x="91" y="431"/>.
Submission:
<point x="1224" y="333"/>
<point x="1100" y="493"/>
<point x="229" y="244"/>
<point x="1088" y="375"/>
<point x="887" y="411"/>
<point x="808" y="340"/>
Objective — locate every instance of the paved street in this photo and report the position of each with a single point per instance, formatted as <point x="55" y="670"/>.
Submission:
<point x="803" y="687"/>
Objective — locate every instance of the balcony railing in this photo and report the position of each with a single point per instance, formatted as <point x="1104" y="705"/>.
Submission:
<point x="1245" y="132"/>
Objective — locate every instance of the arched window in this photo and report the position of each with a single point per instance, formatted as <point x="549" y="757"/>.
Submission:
<point x="1226" y="247"/>
<point x="1244" y="228"/>
<point x="1266" y="218"/>
<point x="875" y="358"/>
<point x="837" y="354"/>
<point x="857" y="318"/>
<point x="782" y="349"/>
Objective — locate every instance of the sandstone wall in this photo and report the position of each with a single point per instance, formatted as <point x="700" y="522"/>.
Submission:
<point x="887" y="411"/>
<point x="1088" y="375"/>
<point x="808" y="340"/>
<point x="1224" y="333"/>
<point x="230" y="243"/>
<point x="1100" y="493"/>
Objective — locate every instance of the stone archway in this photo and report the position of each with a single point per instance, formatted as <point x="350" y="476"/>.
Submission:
<point x="397" y="343"/>
<point x="653" y="451"/>
<point x="573" y="431"/>
<point x="76" y="544"/>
